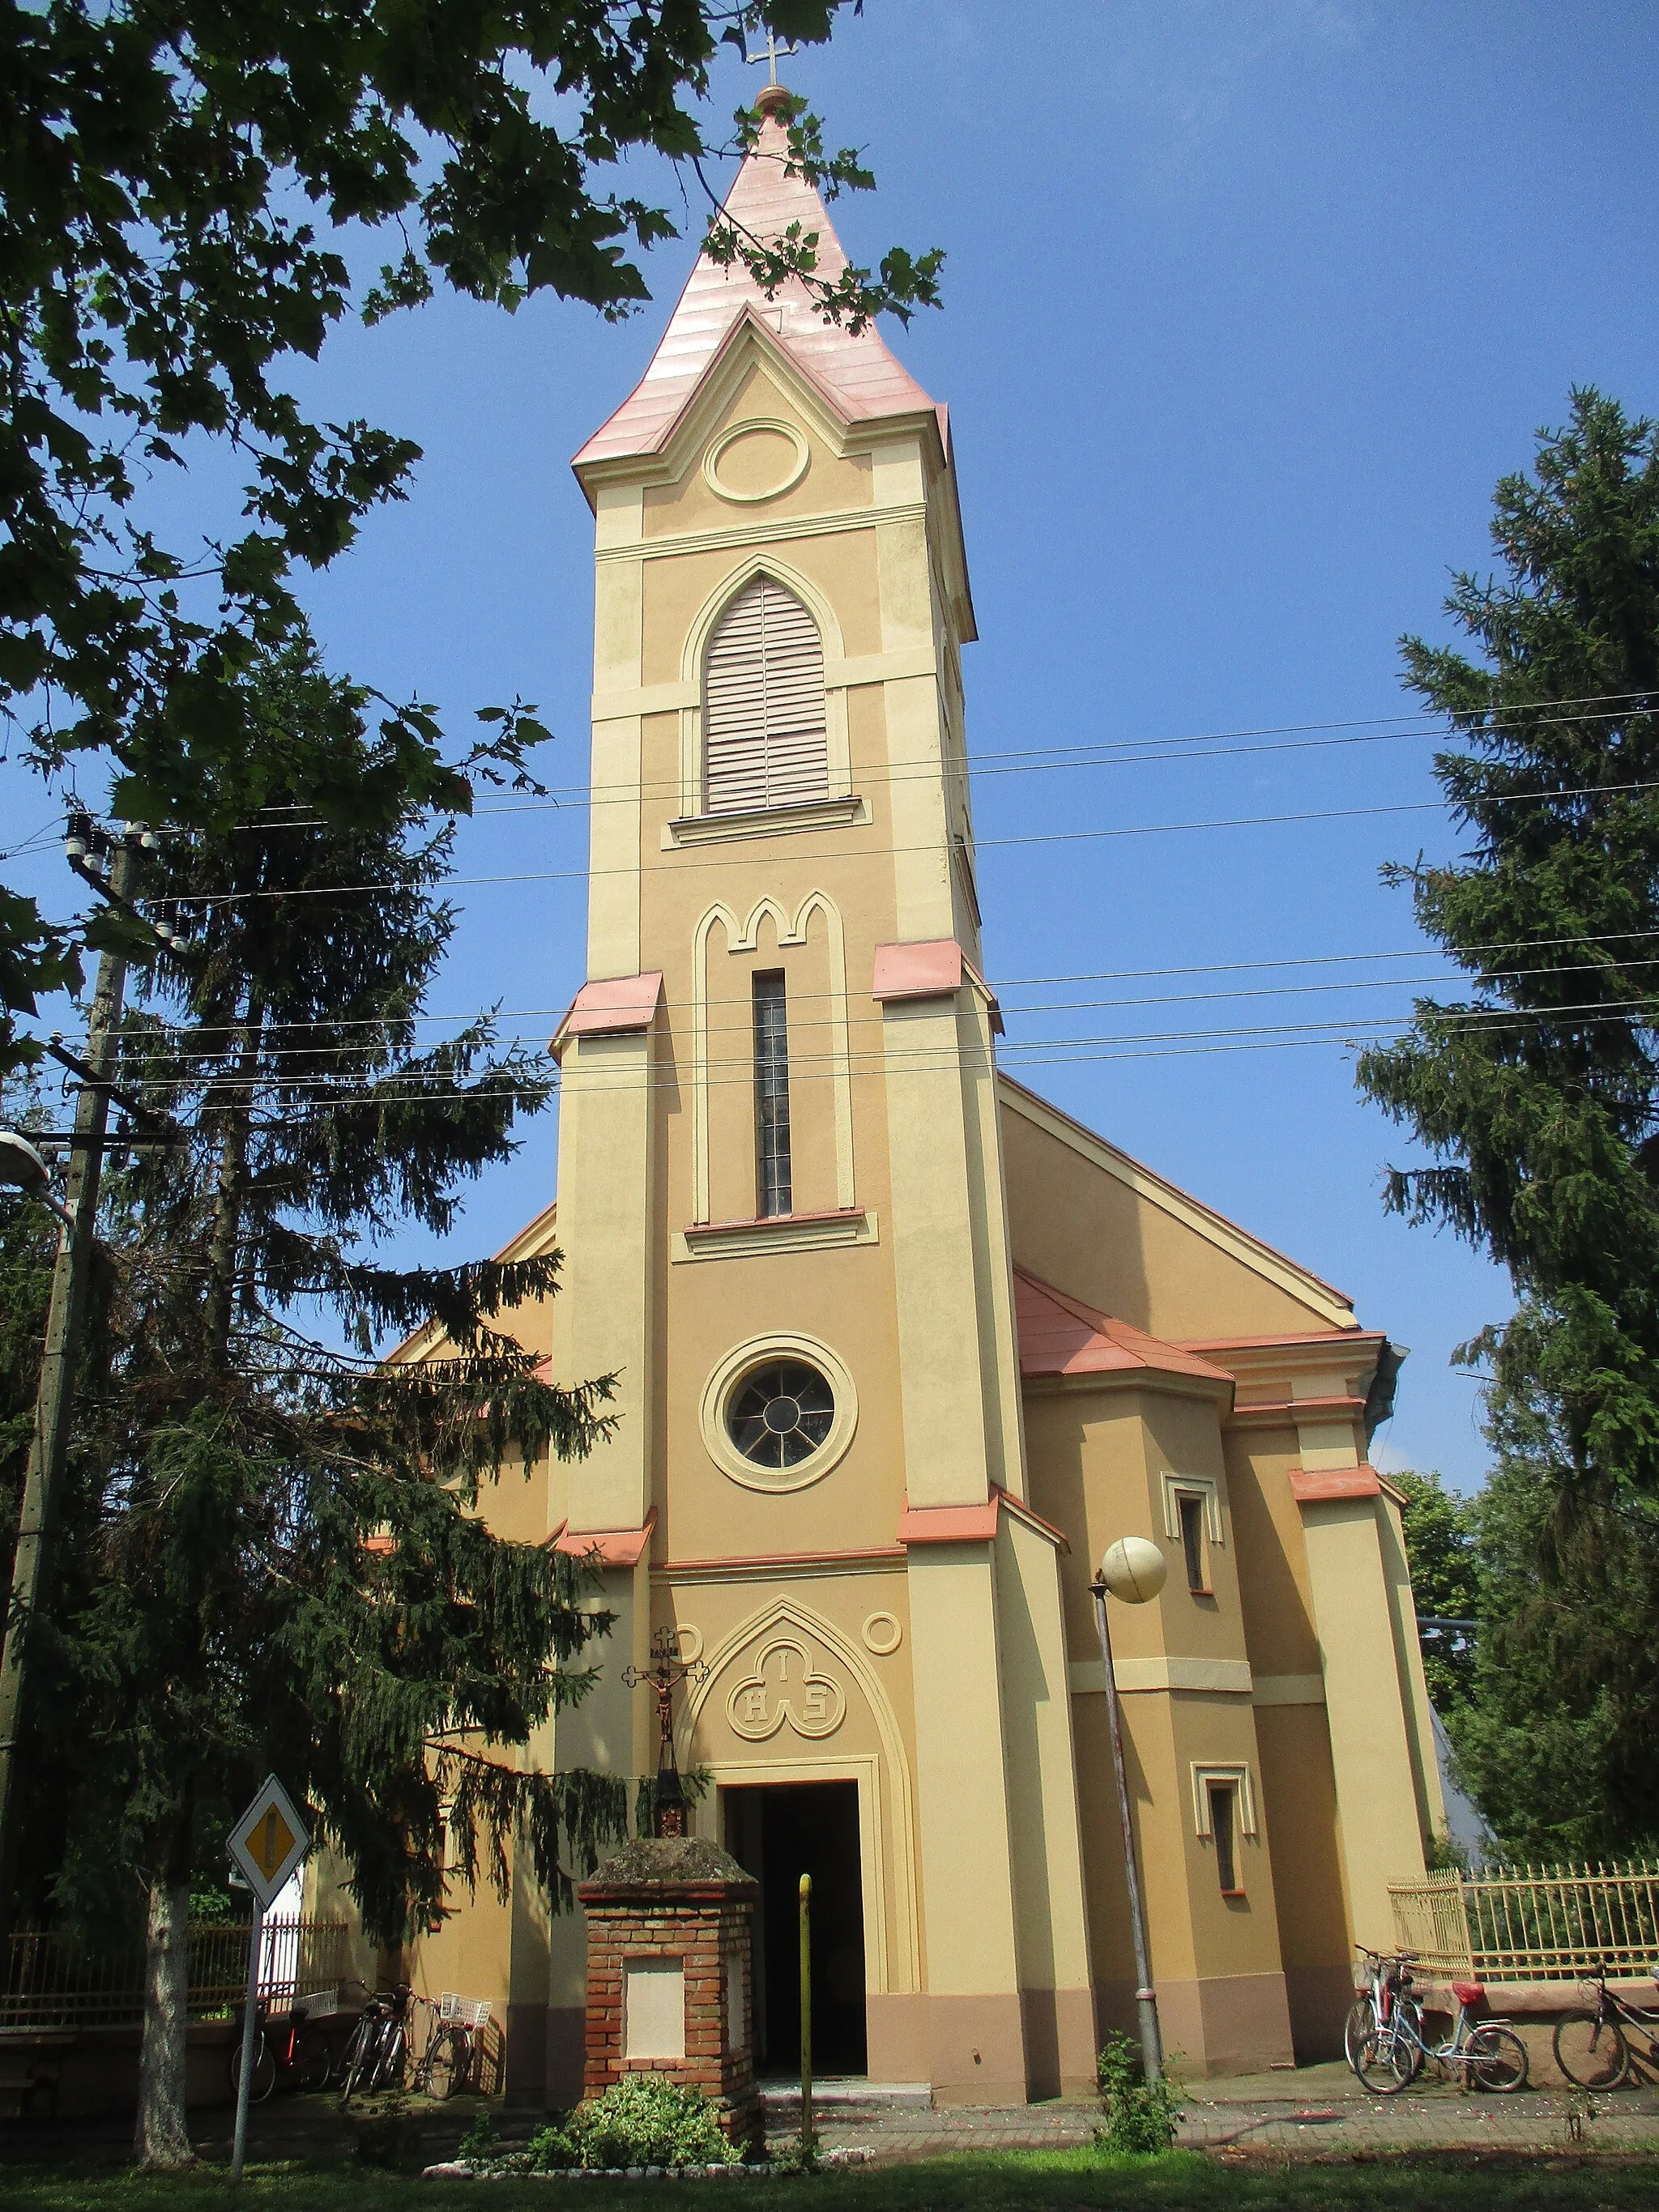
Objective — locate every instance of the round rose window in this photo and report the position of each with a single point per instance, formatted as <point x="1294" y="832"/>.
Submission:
<point x="781" y="1413"/>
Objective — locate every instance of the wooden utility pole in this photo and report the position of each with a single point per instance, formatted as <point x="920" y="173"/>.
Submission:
<point x="50" y="1445"/>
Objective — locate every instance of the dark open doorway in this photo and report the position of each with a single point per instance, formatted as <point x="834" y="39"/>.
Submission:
<point x="778" y="1831"/>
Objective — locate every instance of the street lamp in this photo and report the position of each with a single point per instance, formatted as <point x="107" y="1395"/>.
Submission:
<point x="23" y="1167"/>
<point x="1133" y="1571"/>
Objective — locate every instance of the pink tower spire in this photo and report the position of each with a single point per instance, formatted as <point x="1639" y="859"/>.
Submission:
<point x="858" y="377"/>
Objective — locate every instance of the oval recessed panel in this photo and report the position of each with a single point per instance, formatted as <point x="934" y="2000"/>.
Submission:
<point x="756" y="460"/>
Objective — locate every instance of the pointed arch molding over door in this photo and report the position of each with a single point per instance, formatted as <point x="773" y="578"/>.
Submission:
<point x="695" y="796"/>
<point x="741" y="938"/>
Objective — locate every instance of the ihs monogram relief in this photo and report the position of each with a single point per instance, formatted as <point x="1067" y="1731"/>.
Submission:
<point x="782" y="1685"/>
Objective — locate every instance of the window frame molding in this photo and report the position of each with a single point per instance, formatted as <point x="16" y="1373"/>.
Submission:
<point x="838" y="763"/>
<point x="727" y="1378"/>
<point x="742" y="938"/>
<point x="1235" y="1776"/>
<point x="1177" y="1486"/>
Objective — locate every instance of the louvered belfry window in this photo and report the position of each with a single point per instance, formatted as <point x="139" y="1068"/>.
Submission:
<point x="763" y="717"/>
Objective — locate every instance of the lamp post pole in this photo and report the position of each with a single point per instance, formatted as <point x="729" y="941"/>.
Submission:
<point x="1152" y="2043"/>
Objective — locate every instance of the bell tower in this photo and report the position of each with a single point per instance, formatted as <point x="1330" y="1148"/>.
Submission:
<point x="780" y="1192"/>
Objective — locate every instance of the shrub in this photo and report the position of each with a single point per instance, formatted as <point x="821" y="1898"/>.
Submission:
<point x="641" y="2120"/>
<point x="479" y="2140"/>
<point x="1140" y="2115"/>
<point x="796" y="2154"/>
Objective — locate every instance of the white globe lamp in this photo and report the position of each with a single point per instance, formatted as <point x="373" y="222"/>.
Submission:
<point x="1135" y="1569"/>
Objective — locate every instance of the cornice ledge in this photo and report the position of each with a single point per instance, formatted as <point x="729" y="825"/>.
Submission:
<point x="1324" y="1485"/>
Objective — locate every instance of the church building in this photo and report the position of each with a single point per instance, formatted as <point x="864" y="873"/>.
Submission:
<point x="902" y="1347"/>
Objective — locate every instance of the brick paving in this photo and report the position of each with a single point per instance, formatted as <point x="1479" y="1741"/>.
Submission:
<point x="1316" y="2111"/>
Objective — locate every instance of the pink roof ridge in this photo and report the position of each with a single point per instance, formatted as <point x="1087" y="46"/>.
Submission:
<point x="858" y="376"/>
<point x="1060" y="1336"/>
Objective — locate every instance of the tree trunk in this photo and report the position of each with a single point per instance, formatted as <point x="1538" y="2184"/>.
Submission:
<point x="161" y="2139"/>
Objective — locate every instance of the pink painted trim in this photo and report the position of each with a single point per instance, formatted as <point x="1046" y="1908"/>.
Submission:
<point x="617" y="1547"/>
<point x="1291" y="1336"/>
<point x="613" y="1005"/>
<point x="950" y="1524"/>
<point x="927" y="969"/>
<point x="1314" y="1488"/>
<point x="1021" y="1511"/>
<point x="772" y="1221"/>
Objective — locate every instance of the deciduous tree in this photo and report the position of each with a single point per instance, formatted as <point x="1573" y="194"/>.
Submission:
<point x="179" y="182"/>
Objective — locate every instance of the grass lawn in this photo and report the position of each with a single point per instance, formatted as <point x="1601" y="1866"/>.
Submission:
<point x="1026" y="2180"/>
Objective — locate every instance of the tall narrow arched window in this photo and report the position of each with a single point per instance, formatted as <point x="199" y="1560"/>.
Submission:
<point x="764" y="736"/>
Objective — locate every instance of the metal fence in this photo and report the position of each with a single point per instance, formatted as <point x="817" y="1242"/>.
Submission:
<point x="54" y="1981"/>
<point x="1533" y="1924"/>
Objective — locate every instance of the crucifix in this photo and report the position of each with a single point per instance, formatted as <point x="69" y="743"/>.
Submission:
<point x="773" y="51"/>
<point x="667" y="1669"/>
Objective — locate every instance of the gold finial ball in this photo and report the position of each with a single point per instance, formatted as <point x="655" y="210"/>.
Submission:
<point x="773" y="98"/>
<point x="1135" y="1569"/>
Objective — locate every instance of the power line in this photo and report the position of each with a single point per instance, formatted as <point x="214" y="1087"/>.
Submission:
<point x="1484" y="953"/>
<point x="1033" y="759"/>
<point x="816" y="855"/>
<point x="928" y="1059"/>
<point x="185" y="1060"/>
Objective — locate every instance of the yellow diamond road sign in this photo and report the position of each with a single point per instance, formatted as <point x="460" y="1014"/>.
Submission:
<point x="269" y="1840"/>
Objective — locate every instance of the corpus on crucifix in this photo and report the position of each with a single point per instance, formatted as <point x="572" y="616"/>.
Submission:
<point x="667" y="1669"/>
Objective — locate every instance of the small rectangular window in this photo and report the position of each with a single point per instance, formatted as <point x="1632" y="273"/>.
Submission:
<point x="772" y="1179"/>
<point x="1191" y="1542"/>
<point x="1223" y="1799"/>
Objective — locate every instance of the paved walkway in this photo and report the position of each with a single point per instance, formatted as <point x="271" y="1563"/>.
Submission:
<point x="1314" y="2109"/>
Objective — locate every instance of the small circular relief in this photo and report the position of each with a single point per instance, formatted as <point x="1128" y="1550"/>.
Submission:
<point x="882" y="1634"/>
<point x="756" y="460"/>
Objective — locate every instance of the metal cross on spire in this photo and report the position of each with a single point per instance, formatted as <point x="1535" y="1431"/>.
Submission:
<point x="774" y="53"/>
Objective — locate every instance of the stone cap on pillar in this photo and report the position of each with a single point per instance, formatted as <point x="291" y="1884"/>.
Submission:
<point x="680" y="1867"/>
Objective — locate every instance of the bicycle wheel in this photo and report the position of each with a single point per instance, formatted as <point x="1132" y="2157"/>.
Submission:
<point x="1384" y="2059"/>
<point x="1590" y="2051"/>
<point x="1359" y="2029"/>
<point x="264" y="2070"/>
<point x="1497" y="2060"/>
<point x="389" y="2065"/>
<point x="452" y="2060"/>
<point x="313" y="2059"/>
<point x="360" y="2054"/>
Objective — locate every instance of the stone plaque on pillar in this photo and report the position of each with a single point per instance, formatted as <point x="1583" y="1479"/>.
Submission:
<point x="670" y="1977"/>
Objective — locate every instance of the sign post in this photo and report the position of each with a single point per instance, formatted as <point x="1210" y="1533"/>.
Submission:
<point x="266" y="1844"/>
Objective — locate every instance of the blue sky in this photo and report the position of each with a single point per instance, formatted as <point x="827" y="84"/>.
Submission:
<point x="1248" y="304"/>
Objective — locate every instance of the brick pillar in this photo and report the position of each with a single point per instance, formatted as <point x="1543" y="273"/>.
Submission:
<point x="670" y="1981"/>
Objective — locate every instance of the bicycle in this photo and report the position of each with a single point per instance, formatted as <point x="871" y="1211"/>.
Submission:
<point x="1492" y="2054"/>
<point x="1593" y="2047"/>
<point x="1372" y="2016"/>
<point x="451" y="2046"/>
<point x="374" y="2057"/>
<point x="301" y="2052"/>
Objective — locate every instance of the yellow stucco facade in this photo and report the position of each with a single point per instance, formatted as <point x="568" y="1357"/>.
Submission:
<point x="1033" y="1344"/>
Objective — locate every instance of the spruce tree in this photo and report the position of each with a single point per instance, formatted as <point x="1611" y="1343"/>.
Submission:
<point x="1537" y="1097"/>
<point x="291" y="1571"/>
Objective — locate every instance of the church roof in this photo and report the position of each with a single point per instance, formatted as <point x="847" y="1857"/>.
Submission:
<point x="859" y="379"/>
<point x="1059" y="1335"/>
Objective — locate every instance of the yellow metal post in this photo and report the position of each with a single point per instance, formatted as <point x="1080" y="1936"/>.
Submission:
<point x="806" y="2010"/>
